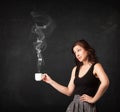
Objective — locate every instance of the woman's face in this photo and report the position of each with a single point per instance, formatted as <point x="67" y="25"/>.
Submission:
<point x="80" y="53"/>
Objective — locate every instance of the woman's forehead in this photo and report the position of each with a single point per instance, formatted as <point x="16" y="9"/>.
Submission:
<point x="77" y="47"/>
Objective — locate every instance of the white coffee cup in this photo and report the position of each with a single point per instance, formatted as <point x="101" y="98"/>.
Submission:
<point x="38" y="76"/>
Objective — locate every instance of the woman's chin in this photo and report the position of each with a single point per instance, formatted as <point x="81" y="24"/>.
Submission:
<point x="80" y="60"/>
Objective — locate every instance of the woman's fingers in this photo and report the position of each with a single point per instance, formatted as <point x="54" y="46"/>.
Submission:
<point x="86" y="98"/>
<point x="83" y="97"/>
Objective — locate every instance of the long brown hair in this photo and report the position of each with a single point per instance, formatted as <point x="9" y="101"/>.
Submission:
<point x="91" y="52"/>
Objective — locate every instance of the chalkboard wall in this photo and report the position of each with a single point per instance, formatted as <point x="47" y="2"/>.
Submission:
<point x="96" y="22"/>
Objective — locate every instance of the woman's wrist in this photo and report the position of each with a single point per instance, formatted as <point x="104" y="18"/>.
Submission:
<point x="51" y="82"/>
<point x="94" y="100"/>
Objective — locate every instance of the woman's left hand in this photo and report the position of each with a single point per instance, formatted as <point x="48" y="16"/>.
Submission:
<point x="86" y="98"/>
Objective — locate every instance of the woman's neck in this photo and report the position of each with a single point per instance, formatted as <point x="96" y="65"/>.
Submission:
<point x="86" y="62"/>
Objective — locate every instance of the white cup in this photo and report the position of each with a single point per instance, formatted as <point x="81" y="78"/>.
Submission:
<point x="38" y="76"/>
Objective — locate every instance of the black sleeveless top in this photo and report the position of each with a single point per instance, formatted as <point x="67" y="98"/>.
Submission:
<point x="88" y="84"/>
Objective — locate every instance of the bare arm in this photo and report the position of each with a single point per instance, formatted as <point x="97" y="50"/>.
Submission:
<point x="104" y="84"/>
<point x="67" y="90"/>
<point x="103" y="79"/>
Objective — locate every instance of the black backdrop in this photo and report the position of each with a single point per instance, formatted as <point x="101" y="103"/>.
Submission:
<point x="97" y="22"/>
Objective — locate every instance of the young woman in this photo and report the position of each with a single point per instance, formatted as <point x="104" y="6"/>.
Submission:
<point x="88" y="80"/>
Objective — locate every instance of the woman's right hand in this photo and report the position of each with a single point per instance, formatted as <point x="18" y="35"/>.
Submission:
<point x="47" y="78"/>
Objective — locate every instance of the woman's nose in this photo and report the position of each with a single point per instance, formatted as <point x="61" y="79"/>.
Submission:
<point x="77" y="54"/>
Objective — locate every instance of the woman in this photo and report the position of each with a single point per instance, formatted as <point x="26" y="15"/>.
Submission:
<point x="88" y="80"/>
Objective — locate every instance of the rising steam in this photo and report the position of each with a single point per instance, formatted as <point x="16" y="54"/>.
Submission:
<point x="42" y="22"/>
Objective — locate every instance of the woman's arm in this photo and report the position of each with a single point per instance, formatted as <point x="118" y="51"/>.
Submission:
<point x="104" y="84"/>
<point x="62" y="89"/>
<point x="103" y="79"/>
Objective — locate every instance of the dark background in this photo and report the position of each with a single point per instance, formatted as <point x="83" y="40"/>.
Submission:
<point x="96" y="21"/>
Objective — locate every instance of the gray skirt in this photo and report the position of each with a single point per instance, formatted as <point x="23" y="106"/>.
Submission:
<point x="78" y="106"/>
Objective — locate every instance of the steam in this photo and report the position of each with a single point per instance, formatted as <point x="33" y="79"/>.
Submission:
<point x="42" y="23"/>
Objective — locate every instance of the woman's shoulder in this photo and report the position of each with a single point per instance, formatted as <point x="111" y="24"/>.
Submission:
<point x="74" y="68"/>
<point x="98" y="66"/>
